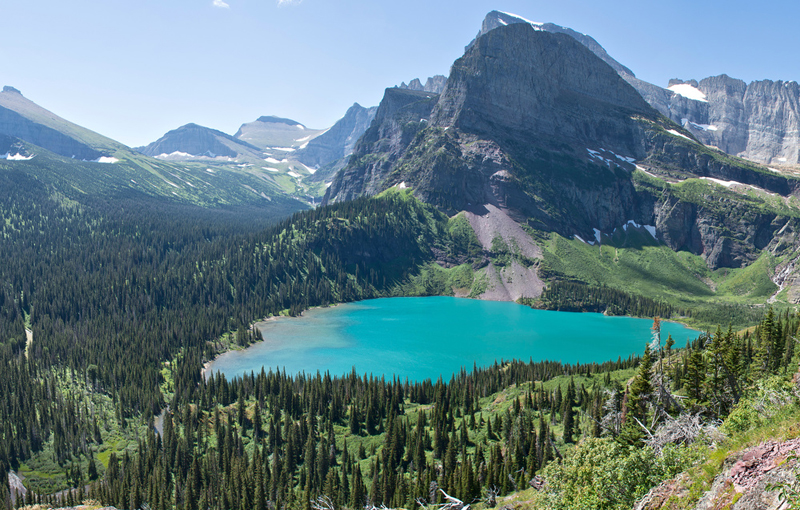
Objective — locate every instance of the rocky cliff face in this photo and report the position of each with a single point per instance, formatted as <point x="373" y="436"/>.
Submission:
<point x="759" y="121"/>
<point x="510" y="89"/>
<point x="401" y="115"/>
<point x="540" y="95"/>
<point x="496" y="19"/>
<point x="339" y="141"/>
<point x="535" y="124"/>
<point x="192" y="140"/>
<point x="434" y="84"/>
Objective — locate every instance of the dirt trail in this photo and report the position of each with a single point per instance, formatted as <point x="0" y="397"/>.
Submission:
<point x="18" y="490"/>
<point x="28" y="341"/>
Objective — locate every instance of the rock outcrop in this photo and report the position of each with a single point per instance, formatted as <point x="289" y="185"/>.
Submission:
<point x="434" y="84"/>
<point x="743" y="484"/>
<point x="339" y="141"/>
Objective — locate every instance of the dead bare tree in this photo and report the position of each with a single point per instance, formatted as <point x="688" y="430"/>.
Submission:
<point x="537" y="482"/>
<point x="490" y="500"/>
<point x="663" y="397"/>
<point x="322" y="503"/>
<point x="450" y="503"/>
<point x="612" y="413"/>
<point x="685" y="429"/>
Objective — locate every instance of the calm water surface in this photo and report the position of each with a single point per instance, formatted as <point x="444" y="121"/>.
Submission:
<point x="423" y="338"/>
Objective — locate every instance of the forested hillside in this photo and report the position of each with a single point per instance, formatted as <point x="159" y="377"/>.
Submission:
<point x="113" y="290"/>
<point x="277" y="440"/>
<point x="109" y="308"/>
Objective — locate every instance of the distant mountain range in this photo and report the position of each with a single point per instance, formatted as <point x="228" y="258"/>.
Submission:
<point x="81" y="164"/>
<point x="537" y="127"/>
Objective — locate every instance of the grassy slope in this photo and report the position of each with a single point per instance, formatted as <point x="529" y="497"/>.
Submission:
<point x="636" y="263"/>
<point x="200" y="184"/>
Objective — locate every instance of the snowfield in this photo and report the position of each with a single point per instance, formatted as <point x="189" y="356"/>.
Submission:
<point x="686" y="90"/>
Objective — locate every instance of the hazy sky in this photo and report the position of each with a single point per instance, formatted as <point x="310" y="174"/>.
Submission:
<point x="133" y="70"/>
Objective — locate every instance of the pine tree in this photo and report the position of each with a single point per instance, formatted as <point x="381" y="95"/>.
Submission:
<point x="641" y="389"/>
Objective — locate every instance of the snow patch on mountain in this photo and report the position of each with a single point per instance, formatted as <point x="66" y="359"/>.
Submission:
<point x="16" y="157"/>
<point x="676" y="133"/>
<point x="688" y="91"/>
<point x="695" y="125"/>
<point x="535" y="24"/>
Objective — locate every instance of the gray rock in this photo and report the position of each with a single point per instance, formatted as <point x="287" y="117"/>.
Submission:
<point x="339" y="141"/>
<point x="759" y="121"/>
<point x="497" y="19"/>
<point x="433" y="84"/>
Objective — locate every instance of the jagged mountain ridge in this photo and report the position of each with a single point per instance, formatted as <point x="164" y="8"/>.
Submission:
<point x="433" y="84"/>
<point x="338" y="141"/>
<point x="535" y="125"/>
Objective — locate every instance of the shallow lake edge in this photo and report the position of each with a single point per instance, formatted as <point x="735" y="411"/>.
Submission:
<point x="206" y="369"/>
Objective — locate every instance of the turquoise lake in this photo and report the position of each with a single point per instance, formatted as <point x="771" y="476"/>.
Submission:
<point x="421" y="338"/>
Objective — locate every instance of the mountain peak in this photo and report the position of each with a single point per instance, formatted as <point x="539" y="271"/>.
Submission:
<point x="9" y="88"/>
<point x="548" y="85"/>
<point x="272" y="119"/>
<point x="434" y="84"/>
<point x="497" y="19"/>
<point x="193" y="140"/>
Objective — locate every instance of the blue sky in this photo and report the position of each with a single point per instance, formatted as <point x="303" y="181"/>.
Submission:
<point x="133" y="70"/>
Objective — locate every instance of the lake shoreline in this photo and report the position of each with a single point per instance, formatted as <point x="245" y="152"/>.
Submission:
<point x="208" y="363"/>
<point x="284" y="346"/>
